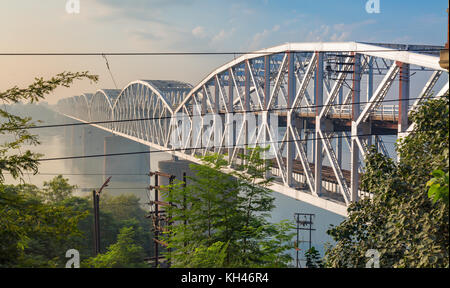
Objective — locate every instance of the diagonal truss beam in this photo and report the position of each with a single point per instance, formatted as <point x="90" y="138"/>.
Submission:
<point x="380" y="93"/>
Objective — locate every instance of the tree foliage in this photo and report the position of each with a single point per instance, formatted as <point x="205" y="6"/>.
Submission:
<point x="401" y="222"/>
<point x="218" y="208"/>
<point x="38" y="226"/>
<point x="17" y="163"/>
<point x="313" y="259"/>
<point x="32" y="231"/>
<point x="57" y="190"/>
<point x="438" y="186"/>
<point x="125" y="253"/>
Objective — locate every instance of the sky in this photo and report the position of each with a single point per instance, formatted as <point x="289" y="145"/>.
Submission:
<point x="189" y="26"/>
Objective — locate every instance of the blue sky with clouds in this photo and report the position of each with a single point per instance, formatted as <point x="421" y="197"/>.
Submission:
<point x="193" y="25"/>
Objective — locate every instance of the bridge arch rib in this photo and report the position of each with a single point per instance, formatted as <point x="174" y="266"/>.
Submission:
<point x="102" y="106"/>
<point x="152" y="100"/>
<point x="82" y="106"/>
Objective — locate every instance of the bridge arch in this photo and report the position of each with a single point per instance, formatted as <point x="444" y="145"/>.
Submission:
<point x="102" y="103"/>
<point x="83" y="105"/>
<point x="333" y="99"/>
<point x="152" y="100"/>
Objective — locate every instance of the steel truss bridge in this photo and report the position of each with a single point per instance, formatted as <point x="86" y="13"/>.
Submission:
<point x="334" y="98"/>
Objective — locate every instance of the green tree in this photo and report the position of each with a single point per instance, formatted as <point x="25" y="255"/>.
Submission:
<point x="401" y="222"/>
<point x="84" y="242"/>
<point x="58" y="189"/>
<point x="24" y="218"/>
<point x="438" y="186"/>
<point x="32" y="232"/>
<point x="17" y="163"/>
<point x="227" y="208"/>
<point x="313" y="259"/>
<point x="203" y="256"/>
<point x="125" y="253"/>
<point x="127" y="211"/>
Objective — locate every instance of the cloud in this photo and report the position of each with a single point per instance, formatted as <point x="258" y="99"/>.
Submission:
<point x="199" y="32"/>
<point x="336" y="32"/>
<point x="222" y="36"/>
<point x="145" y="4"/>
<point x="143" y="10"/>
<point x="260" y="37"/>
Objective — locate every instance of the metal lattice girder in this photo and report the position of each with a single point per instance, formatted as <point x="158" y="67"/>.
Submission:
<point x="426" y="92"/>
<point x="381" y="147"/>
<point x="275" y="80"/>
<point x="305" y="81"/>
<point x="304" y="159"/>
<point x="336" y="88"/>
<point x="380" y="93"/>
<point x="337" y="170"/>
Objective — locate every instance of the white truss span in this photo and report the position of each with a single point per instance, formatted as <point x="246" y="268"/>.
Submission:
<point x="322" y="92"/>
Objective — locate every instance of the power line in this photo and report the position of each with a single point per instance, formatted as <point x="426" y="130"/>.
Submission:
<point x="205" y="53"/>
<point x="219" y="113"/>
<point x="110" y="73"/>
<point x="86" y="174"/>
<point x="114" y="188"/>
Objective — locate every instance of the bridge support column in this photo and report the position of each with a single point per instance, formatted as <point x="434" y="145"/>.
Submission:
<point x="77" y="139"/>
<point x="318" y="90"/>
<point x="354" y="153"/>
<point x="87" y="141"/>
<point x="129" y="167"/>
<point x="68" y="135"/>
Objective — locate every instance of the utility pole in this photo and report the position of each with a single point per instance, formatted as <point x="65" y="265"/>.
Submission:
<point x="158" y="216"/>
<point x="444" y="52"/>
<point x="304" y="223"/>
<point x="96" y="199"/>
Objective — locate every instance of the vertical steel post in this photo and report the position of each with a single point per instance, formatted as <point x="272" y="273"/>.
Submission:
<point x="290" y="152"/>
<point x="216" y="112"/>
<point x="156" y="221"/>
<point x="339" y="139"/>
<point x="403" y="97"/>
<point x="229" y="120"/>
<point x="169" y="216"/>
<point x="369" y="78"/>
<point x="246" y="105"/>
<point x="95" y="199"/>
<point x="105" y="151"/>
<point x="184" y="197"/>
<point x="202" y="115"/>
<point x="266" y="113"/>
<point x="369" y="89"/>
<point x="298" y="239"/>
<point x="355" y="114"/>
<point x="318" y="91"/>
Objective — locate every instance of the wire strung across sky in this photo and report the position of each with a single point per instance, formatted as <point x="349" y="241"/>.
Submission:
<point x="113" y="188"/>
<point x="84" y="174"/>
<point x="181" y="53"/>
<point x="218" y="113"/>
